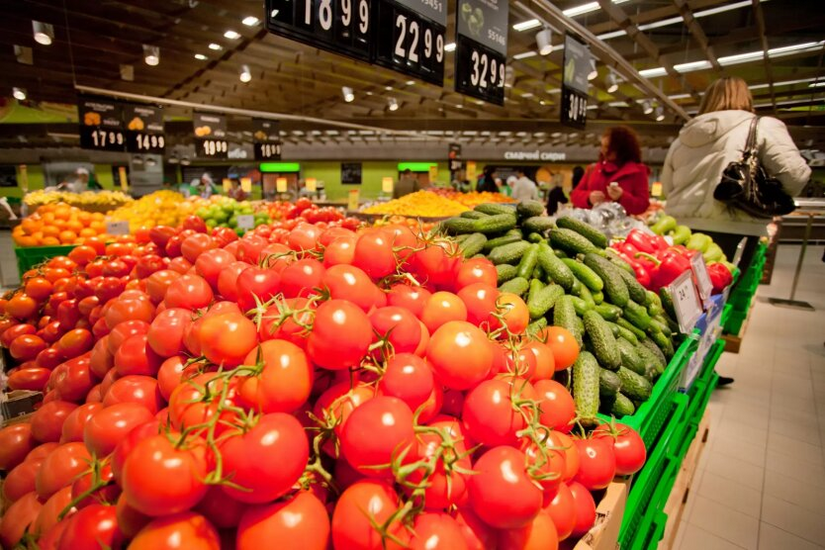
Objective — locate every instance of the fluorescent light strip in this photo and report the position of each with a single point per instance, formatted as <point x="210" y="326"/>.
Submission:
<point x="791" y="102"/>
<point x="679" y="96"/>
<point x="449" y="47"/>
<point x="587" y="8"/>
<point x="785" y="83"/>
<point x="527" y="25"/>
<point x="817" y="84"/>
<point x="525" y="55"/>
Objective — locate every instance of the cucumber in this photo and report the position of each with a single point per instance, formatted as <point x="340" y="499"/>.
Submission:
<point x="655" y="308"/>
<point x="652" y="298"/>
<point x="634" y="386"/>
<point x="662" y="342"/>
<point x="564" y="314"/>
<point x="535" y="286"/>
<point x="615" y="290"/>
<point x="534" y="327"/>
<point x="463" y="237"/>
<point x="621" y="332"/>
<point x="630" y="359"/>
<point x="620" y="263"/>
<point x="579" y="305"/>
<point x="649" y="357"/>
<point x="528" y="262"/>
<point x="472" y="245"/>
<point x="473" y="215"/>
<point x="587" y="296"/>
<point x="539" y="274"/>
<point x="528" y="209"/>
<point x="577" y="286"/>
<point x="608" y="312"/>
<point x="604" y="343"/>
<point x="536" y="238"/>
<point x="505" y="272"/>
<point x="667" y="302"/>
<point x="494" y="208"/>
<point x="578" y="330"/>
<point x="495" y="224"/>
<point x="584" y="274"/>
<point x="571" y="242"/>
<point x="622" y="406"/>
<point x="637" y="315"/>
<point x="598" y="297"/>
<point x="586" y="230"/>
<point x="509" y="253"/>
<point x="586" y="387"/>
<point x="627" y="325"/>
<point x="479" y="256"/>
<point x="544" y="300"/>
<point x="555" y="267"/>
<point x="459" y="225"/>
<point x="518" y="286"/>
<point x="659" y="324"/>
<point x="538" y="224"/>
<point x="634" y="288"/>
<point x="609" y="384"/>
<point x="509" y="238"/>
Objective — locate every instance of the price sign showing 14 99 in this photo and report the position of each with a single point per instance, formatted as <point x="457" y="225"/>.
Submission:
<point x="149" y="143"/>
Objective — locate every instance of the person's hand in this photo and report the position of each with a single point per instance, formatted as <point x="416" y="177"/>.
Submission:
<point x="614" y="192"/>
<point x="596" y="197"/>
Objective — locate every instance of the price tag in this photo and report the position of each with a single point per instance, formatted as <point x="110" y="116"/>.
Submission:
<point x="246" y="185"/>
<point x="312" y="185"/>
<point x="352" y="199"/>
<point x="280" y="185"/>
<point x="481" y="49"/>
<point x="117" y="228"/>
<point x="101" y="124"/>
<point x="124" y="179"/>
<point x="740" y="249"/>
<point x="433" y="173"/>
<point x="387" y="184"/>
<point x="700" y="274"/>
<point x="227" y="185"/>
<point x="471" y="171"/>
<point x="656" y="189"/>
<point x="245" y="221"/>
<point x="144" y="128"/>
<point x="410" y="38"/>
<point x="685" y="302"/>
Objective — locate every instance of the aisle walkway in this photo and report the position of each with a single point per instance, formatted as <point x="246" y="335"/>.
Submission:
<point x="761" y="480"/>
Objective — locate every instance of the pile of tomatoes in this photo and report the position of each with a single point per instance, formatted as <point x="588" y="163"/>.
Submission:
<point x="309" y="387"/>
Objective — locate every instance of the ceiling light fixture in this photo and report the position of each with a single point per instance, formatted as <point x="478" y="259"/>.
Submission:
<point x="449" y="47"/>
<point x="250" y="21"/>
<point x="647" y="107"/>
<point x="611" y="81"/>
<point x="660" y="113"/>
<point x="200" y="57"/>
<point x="525" y="55"/>
<point x="349" y="94"/>
<point x="127" y="73"/>
<point x="544" y="41"/>
<point x="246" y="74"/>
<point x="43" y="33"/>
<point x="587" y="8"/>
<point x="23" y="54"/>
<point x="527" y="25"/>
<point x="594" y="72"/>
<point x="392" y="104"/>
<point x="151" y="55"/>
<point x="410" y="82"/>
<point x="19" y="94"/>
<point x="215" y="47"/>
<point x="231" y="35"/>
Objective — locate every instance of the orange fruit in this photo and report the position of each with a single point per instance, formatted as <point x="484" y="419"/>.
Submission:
<point x="67" y="237"/>
<point x="62" y="212"/>
<point x="50" y="231"/>
<point x="48" y="218"/>
<point x="87" y="232"/>
<point x="29" y="226"/>
<point x="98" y="226"/>
<point x="98" y="216"/>
<point x="74" y="225"/>
<point x="37" y="235"/>
<point x="50" y="241"/>
<point x="84" y="218"/>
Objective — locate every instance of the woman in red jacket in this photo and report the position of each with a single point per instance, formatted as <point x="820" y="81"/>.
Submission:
<point x="619" y="175"/>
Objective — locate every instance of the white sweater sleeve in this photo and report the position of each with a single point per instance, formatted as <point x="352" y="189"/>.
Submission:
<point x="667" y="171"/>
<point x="780" y="157"/>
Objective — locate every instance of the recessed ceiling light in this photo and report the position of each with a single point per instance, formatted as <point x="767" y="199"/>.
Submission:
<point x="449" y="47"/>
<point x="349" y="95"/>
<point x="392" y="104"/>
<point x="410" y="82"/>
<point x="527" y="95"/>
<point x="215" y="47"/>
<point x="151" y="55"/>
<point x="231" y="35"/>
<point x="43" y="33"/>
<point x="246" y="74"/>
<point x="250" y="21"/>
<point x="200" y="57"/>
<point x="388" y="88"/>
<point x="19" y="94"/>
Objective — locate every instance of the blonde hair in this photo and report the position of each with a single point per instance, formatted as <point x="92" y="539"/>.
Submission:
<point x="729" y="93"/>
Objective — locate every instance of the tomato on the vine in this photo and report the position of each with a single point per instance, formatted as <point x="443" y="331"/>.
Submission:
<point x="628" y="447"/>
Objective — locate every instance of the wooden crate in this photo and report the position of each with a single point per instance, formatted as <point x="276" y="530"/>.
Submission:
<point x="604" y="535"/>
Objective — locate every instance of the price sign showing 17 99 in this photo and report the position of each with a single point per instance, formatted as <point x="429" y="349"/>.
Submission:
<point x="99" y="138"/>
<point x="686" y="302"/>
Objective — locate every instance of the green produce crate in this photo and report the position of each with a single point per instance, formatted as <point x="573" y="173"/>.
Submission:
<point x="650" y="418"/>
<point x="735" y="322"/>
<point x="726" y="314"/>
<point x="29" y="257"/>
<point x="652" y="485"/>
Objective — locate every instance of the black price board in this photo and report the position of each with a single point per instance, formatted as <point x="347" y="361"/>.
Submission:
<point x="101" y="124"/>
<point x="454" y="159"/>
<point x="351" y="173"/>
<point x="574" y="85"/>
<point x="481" y="49"/>
<point x="338" y="26"/>
<point x="144" y="129"/>
<point x="411" y="36"/>
<point x="266" y="137"/>
<point x="210" y="136"/>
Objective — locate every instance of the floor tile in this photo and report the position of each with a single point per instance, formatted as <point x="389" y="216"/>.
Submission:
<point x="740" y="449"/>
<point x="802" y="493"/>
<point x="734" y="527"/>
<point x="738" y="471"/>
<point x="794" y="519"/>
<point x="732" y="494"/>
<point x="774" y="538"/>
<point x="696" y="537"/>
<point x="795" y="468"/>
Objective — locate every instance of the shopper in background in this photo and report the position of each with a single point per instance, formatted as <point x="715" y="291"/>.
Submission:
<point x="487" y="181"/>
<point x="555" y="197"/>
<point x="618" y="176"/>
<point x="206" y="187"/>
<point x="706" y="145"/>
<point x="525" y="189"/>
<point x="406" y="185"/>
<point x="235" y="190"/>
<point x="578" y="174"/>
<point x="507" y="188"/>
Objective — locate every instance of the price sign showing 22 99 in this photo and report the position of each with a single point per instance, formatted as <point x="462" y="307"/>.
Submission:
<point x="410" y="43"/>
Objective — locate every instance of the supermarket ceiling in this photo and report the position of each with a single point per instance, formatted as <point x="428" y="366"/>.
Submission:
<point x="204" y="46"/>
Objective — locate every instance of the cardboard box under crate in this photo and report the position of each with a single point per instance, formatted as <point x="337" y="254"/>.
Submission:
<point x="17" y="405"/>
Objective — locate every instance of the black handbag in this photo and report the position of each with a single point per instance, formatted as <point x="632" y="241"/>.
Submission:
<point x="747" y="186"/>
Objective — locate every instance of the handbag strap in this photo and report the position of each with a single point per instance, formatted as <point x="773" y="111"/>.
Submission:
<point x="750" y="144"/>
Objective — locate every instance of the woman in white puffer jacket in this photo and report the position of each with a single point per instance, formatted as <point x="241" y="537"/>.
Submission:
<point x="704" y="148"/>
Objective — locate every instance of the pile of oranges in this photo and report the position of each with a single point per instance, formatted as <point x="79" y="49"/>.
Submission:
<point x="58" y="224"/>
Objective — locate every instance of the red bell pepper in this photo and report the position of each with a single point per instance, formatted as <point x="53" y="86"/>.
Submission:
<point x="673" y="263"/>
<point x="720" y="277"/>
<point x="641" y="241"/>
<point x="642" y="273"/>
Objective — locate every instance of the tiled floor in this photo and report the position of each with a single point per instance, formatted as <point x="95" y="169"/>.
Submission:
<point x="761" y="479"/>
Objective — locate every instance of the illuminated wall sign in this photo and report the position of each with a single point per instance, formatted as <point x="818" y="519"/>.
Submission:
<point x="551" y="156"/>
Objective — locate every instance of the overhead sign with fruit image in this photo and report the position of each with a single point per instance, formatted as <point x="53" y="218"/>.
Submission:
<point x="210" y="136"/>
<point x="481" y="49"/>
<point x="266" y="137"/>
<point x="145" y="132"/>
<point x="101" y="124"/>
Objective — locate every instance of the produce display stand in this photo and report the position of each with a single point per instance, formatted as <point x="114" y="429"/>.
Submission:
<point x="741" y="300"/>
<point x="604" y="535"/>
<point x="29" y="257"/>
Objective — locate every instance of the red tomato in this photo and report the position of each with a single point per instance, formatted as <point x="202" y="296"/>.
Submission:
<point x="75" y="342"/>
<point x="540" y="534"/>
<point x="292" y="322"/>
<point x="147" y="265"/>
<point x="170" y="375"/>
<point x="159" y="479"/>
<point x="441" y="308"/>
<point x="304" y="237"/>
<point x="137" y="389"/>
<point x="221" y="511"/>
<point x="20" y="480"/>
<point x="129" y="520"/>
<point x="189" y="292"/>
<point x="73" y="379"/>
<point x="184" y="530"/>
<point x="446" y="487"/>
<point x="127" y="443"/>
<point x="409" y="378"/>
<point x="585" y="508"/>
<point x="109" y="426"/>
<point x="39" y="288"/>
<point x="341" y="251"/>
<point x="501" y="493"/>
<point x="489" y="410"/>
<point x="340" y="400"/>
<point x="413" y="298"/>
<point x="285" y="382"/>
<point x="362" y="505"/>
<point x="513" y="311"/>
<point x="480" y="301"/>
<point x="256" y="282"/>
<point x="562" y="511"/>
<point x="398" y="326"/>
<point x="47" y="421"/>
<point x="557" y="406"/>
<point x="250" y="248"/>
<point x="347" y="282"/>
<point x="86" y="305"/>
<point x="519" y="361"/>
<point x="101" y="359"/>
<point x="18" y="518"/>
<point x="21" y="306"/>
<point x="165" y="335"/>
<point x="597" y="463"/>
<point x="47" y="518"/>
<point x="210" y="263"/>
<point x="195" y="245"/>
<point x="62" y="465"/>
<point x="376" y="433"/>
<point x="83" y="485"/>
<point x="477" y="534"/>
<point x="135" y="356"/>
<point x="436" y="531"/>
<point x="129" y="310"/>
<point x="340" y="337"/>
<point x="16" y="441"/>
<point x="301" y="277"/>
<point x="75" y="423"/>
<point x="10" y="334"/>
<point x="123" y="331"/>
<point x="226" y="339"/>
<point x="228" y="279"/>
<point x="92" y="527"/>
<point x="435" y="264"/>
<point x="564" y="346"/>
<point x="545" y="363"/>
<point x="278" y="434"/>
<point x="478" y="270"/>
<point x="460" y="339"/>
<point x="158" y="282"/>
<point x="628" y="447"/>
<point x="374" y="254"/>
<point x="301" y="518"/>
<point x="564" y="442"/>
<point x="32" y="379"/>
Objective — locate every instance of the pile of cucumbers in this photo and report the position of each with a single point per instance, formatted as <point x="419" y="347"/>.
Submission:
<point x="569" y="278"/>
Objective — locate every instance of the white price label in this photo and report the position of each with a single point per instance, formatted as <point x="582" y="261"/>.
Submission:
<point x="700" y="273"/>
<point x="245" y="221"/>
<point x="685" y="302"/>
<point x="117" y="228"/>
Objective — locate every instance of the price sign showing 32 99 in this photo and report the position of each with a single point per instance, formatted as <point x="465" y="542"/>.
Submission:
<point x="480" y="71"/>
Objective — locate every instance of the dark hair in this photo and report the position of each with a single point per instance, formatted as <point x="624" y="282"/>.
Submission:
<point x="407" y="172"/>
<point x="625" y="143"/>
<point x="578" y="174"/>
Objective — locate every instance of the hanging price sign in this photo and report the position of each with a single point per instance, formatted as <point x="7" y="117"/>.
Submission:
<point x="101" y="125"/>
<point x="210" y="136"/>
<point x="144" y="129"/>
<point x="685" y="301"/>
<point x="266" y="137"/>
<point x="574" y="85"/>
<point x="701" y="277"/>
<point x="411" y="37"/>
<point x="481" y="49"/>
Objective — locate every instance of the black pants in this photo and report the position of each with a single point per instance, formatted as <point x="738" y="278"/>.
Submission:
<point x="728" y="243"/>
